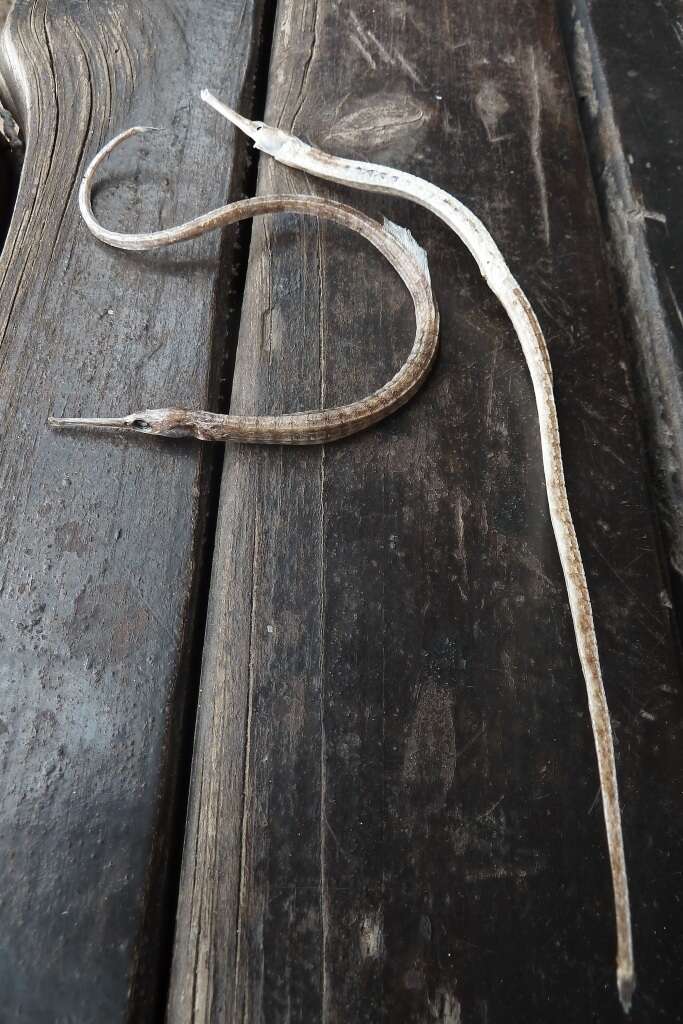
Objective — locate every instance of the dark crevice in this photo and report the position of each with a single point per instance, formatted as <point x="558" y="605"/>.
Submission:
<point x="11" y="160"/>
<point x="151" y="985"/>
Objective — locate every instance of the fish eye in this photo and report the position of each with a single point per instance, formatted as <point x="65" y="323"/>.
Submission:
<point x="140" y="424"/>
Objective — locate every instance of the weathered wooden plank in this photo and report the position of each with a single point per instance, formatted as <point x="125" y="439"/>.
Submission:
<point x="102" y="542"/>
<point x="393" y="808"/>
<point x="627" y="68"/>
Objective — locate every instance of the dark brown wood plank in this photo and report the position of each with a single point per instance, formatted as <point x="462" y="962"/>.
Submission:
<point x="627" y="67"/>
<point x="102" y="541"/>
<point x="394" y="810"/>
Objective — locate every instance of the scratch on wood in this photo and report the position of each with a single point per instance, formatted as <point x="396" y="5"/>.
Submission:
<point x="460" y="535"/>
<point x="407" y="67"/>
<point x="360" y="46"/>
<point x="674" y="300"/>
<point x="394" y="58"/>
<point x="371" y="938"/>
<point x="498" y="872"/>
<point x="492" y="378"/>
<point x="535" y="93"/>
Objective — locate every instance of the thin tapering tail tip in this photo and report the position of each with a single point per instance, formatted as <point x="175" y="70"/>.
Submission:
<point x="626" y="983"/>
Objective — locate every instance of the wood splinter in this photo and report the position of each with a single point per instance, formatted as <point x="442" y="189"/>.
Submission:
<point x="319" y="427"/>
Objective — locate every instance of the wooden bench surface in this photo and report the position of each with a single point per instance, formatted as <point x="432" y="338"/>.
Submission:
<point x="628" y="72"/>
<point x="393" y="810"/>
<point x="103" y="543"/>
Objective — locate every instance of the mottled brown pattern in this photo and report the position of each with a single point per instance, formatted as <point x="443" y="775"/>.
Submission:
<point x="295" y="428"/>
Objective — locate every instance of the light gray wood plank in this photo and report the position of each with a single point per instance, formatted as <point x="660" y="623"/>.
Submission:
<point x="102" y="539"/>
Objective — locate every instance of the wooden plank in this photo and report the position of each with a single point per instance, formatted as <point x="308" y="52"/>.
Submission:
<point x="394" y="811"/>
<point x="627" y="72"/>
<point x="102" y="541"/>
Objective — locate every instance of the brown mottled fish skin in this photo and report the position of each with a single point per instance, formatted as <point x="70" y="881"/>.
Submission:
<point x="299" y="428"/>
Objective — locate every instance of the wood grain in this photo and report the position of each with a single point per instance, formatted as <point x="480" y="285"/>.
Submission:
<point x="627" y="74"/>
<point x="393" y="807"/>
<point x="102" y="542"/>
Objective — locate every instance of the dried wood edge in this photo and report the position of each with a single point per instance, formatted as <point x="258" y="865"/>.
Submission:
<point x="644" y="311"/>
<point x="291" y="151"/>
<point x="316" y="427"/>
